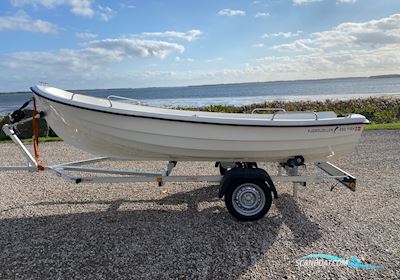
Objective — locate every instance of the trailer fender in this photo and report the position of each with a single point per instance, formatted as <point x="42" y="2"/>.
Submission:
<point x="239" y="173"/>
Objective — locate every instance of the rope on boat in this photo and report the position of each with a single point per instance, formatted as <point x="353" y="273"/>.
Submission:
<point x="35" y="121"/>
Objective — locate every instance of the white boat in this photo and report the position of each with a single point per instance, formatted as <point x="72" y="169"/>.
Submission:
<point x="124" y="130"/>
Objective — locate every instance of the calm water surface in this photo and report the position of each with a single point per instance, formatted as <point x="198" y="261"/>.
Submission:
<point x="237" y="94"/>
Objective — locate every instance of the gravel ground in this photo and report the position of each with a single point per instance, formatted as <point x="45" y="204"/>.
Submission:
<point x="52" y="229"/>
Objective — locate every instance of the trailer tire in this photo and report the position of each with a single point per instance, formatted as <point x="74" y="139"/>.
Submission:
<point x="248" y="199"/>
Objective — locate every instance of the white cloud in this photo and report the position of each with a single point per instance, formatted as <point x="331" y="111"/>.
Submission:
<point x="282" y="34"/>
<point x="298" y="45"/>
<point x="231" y="13"/>
<point x="259" y="45"/>
<point x="126" y="6"/>
<point x="302" y="2"/>
<point x="190" y="35"/>
<point x="86" y="35"/>
<point x="94" y="56"/>
<point x="333" y="65"/>
<point x="78" y="7"/>
<point x="346" y="1"/>
<point x="349" y="49"/>
<point x="337" y="63"/>
<point x="261" y="14"/>
<point x="306" y="66"/>
<point x="370" y="34"/>
<point x="23" y="22"/>
<point x="105" y="13"/>
<point x="51" y="68"/>
<point x="130" y="47"/>
<point x="83" y="8"/>
<point x="210" y="60"/>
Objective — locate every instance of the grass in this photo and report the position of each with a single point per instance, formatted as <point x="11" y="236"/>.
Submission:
<point x="387" y="126"/>
<point x="376" y="109"/>
<point x="41" y="139"/>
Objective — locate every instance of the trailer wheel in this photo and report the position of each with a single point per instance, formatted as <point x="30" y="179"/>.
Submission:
<point x="248" y="200"/>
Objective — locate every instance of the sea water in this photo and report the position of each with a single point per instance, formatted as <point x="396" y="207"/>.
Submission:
<point x="236" y="94"/>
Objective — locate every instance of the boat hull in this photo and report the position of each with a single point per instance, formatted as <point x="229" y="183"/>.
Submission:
<point x="140" y="138"/>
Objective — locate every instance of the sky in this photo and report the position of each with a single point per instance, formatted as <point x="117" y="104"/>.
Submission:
<point x="88" y="44"/>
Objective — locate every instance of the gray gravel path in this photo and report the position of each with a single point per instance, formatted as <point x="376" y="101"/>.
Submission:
<point x="52" y="229"/>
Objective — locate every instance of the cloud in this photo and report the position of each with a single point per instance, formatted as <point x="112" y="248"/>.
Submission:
<point x="305" y="2"/>
<point x="216" y="59"/>
<point x="180" y="59"/>
<point x="261" y="14"/>
<point x="282" y="34"/>
<point x="86" y="35"/>
<point x="190" y="35"/>
<point x="124" y="6"/>
<point x="23" y="22"/>
<point x="346" y="1"/>
<point x="90" y="66"/>
<point x="370" y="34"/>
<point x="231" y="13"/>
<point x="130" y="47"/>
<point x="310" y="66"/>
<point x="78" y="7"/>
<point x="105" y="13"/>
<point x="83" y="8"/>
<point x="337" y="63"/>
<point x="94" y="56"/>
<point x="348" y="49"/>
<point x="298" y="45"/>
<point x="259" y="45"/>
<point x="37" y="66"/>
<point x="305" y="66"/>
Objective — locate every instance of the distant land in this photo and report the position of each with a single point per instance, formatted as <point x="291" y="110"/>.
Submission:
<point x="385" y="76"/>
<point x="222" y="84"/>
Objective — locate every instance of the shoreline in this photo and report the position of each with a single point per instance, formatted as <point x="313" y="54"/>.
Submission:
<point x="256" y="99"/>
<point x="389" y="76"/>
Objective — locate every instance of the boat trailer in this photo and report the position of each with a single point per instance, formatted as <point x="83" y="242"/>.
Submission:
<point x="247" y="189"/>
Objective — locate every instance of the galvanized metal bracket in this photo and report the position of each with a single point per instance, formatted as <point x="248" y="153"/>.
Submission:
<point x="32" y="165"/>
<point x="340" y="175"/>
